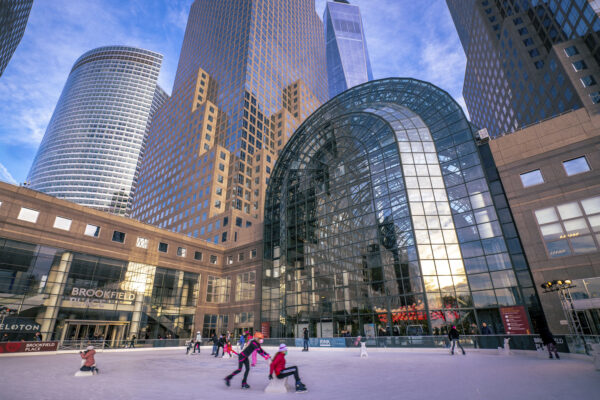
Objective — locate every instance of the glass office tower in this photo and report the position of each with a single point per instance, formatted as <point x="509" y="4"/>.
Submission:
<point x="13" y="20"/>
<point x="380" y="219"/>
<point x="528" y="60"/>
<point x="91" y="150"/>
<point x="348" y="62"/>
<point x="249" y="73"/>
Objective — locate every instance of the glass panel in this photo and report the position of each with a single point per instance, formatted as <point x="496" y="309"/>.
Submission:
<point x="502" y="279"/>
<point x="576" y="166"/>
<point x="552" y="231"/>
<point x="546" y="215"/>
<point x="576" y="227"/>
<point x="592" y="205"/>
<point x="484" y="299"/>
<point x="532" y="178"/>
<point x="569" y="210"/>
<point x="480" y="281"/>
<point x="558" y="249"/>
<point x="506" y="297"/>
<point x="583" y="244"/>
<point x="595" y="222"/>
<point x="498" y="262"/>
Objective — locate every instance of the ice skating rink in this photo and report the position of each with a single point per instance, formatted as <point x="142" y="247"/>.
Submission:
<point x="328" y="374"/>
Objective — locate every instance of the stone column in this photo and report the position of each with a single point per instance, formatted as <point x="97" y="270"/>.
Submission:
<point x="57" y="279"/>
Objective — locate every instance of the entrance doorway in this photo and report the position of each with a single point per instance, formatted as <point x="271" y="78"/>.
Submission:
<point x="110" y="332"/>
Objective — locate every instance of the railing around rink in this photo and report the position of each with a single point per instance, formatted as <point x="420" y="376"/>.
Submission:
<point x="565" y="343"/>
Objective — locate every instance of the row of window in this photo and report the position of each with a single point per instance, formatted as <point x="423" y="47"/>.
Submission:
<point x="62" y="223"/>
<point x="572" y="167"/>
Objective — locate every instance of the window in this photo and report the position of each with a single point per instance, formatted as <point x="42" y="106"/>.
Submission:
<point x="229" y="260"/>
<point x="141" y="243"/>
<point x="576" y="166"/>
<point x="118" y="237"/>
<point x="595" y="97"/>
<point x="253" y="253"/>
<point x="163" y="247"/>
<point x="198" y="255"/>
<point x="213" y="259"/>
<point x="532" y="178"/>
<point x="588" y="81"/>
<point x="579" y="65"/>
<point x="62" y="223"/>
<point x="245" y="286"/>
<point x="534" y="53"/>
<point x="28" y="215"/>
<point x="238" y="221"/>
<point x="181" y="251"/>
<point x="241" y="257"/>
<point x="218" y="289"/>
<point x="92" y="230"/>
<point x="571" y="228"/>
<point x="571" y="51"/>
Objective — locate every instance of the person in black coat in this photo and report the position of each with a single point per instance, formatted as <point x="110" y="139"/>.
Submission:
<point x="215" y="340"/>
<point x="305" y="334"/>
<point x="220" y="345"/>
<point x="454" y="338"/>
<point x="549" y="342"/>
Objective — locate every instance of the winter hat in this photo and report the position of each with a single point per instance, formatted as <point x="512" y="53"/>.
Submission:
<point x="90" y="348"/>
<point x="282" y="347"/>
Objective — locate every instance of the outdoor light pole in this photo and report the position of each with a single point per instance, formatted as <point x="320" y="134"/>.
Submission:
<point x="564" y="294"/>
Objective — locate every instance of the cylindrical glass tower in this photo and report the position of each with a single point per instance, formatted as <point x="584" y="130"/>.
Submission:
<point x="92" y="145"/>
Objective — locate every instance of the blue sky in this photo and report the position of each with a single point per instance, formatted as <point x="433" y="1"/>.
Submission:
<point x="405" y="38"/>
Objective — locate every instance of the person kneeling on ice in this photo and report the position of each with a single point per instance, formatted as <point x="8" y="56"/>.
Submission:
<point x="253" y="344"/>
<point x="281" y="372"/>
<point x="88" y="363"/>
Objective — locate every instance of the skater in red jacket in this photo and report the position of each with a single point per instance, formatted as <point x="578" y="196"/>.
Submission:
<point x="278" y="366"/>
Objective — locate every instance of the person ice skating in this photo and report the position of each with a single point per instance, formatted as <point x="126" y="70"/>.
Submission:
<point x="281" y="372"/>
<point x="253" y="344"/>
<point x="242" y="341"/>
<point x="190" y="345"/>
<point x="89" y="363"/>
<point x="198" y="341"/>
<point x="214" y="339"/>
<point x="305" y="334"/>
<point x="229" y="349"/>
<point x="220" y="345"/>
<point x="38" y="337"/>
<point x="132" y="342"/>
<point x="454" y="336"/>
<point x="549" y="342"/>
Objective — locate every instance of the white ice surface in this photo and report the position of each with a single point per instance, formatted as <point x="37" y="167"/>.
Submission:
<point x="334" y="374"/>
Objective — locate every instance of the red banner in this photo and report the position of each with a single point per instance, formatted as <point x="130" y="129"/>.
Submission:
<point x="515" y="320"/>
<point x="265" y="329"/>
<point x="27" y="347"/>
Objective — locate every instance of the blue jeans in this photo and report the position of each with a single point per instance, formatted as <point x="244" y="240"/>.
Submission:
<point x="305" y="344"/>
<point x="214" y="349"/>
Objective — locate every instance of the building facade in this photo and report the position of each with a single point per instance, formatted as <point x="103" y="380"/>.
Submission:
<point x="92" y="147"/>
<point x="550" y="172"/>
<point x="13" y="20"/>
<point x="348" y="61"/>
<point x="528" y="60"/>
<point x="249" y="73"/>
<point x="75" y="273"/>
<point x="381" y="219"/>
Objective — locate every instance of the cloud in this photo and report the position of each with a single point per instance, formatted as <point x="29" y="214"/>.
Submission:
<point x="6" y="176"/>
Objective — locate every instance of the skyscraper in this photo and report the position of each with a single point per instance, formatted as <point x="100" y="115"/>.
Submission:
<point x="528" y="60"/>
<point x="249" y="73"/>
<point x="13" y="20"/>
<point x="92" y="146"/>
<point x="348" y="62"/>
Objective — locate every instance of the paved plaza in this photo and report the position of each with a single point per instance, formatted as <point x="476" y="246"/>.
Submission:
<point x="328" y="374"/>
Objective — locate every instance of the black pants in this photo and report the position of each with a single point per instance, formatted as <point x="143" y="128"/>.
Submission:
<point x="305" y="345"/>
<point x="197" y="346"/>
<point x="222" y="350"/>
<point x="242" y="362"/>
<point x="288" y="372"/>
<point x="456" y="342"/>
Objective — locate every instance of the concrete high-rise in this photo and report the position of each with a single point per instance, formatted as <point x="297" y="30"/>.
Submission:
<point x="528" y="60"/>
<point x="249" y="73"/>
<point x="91" y="150"/>
<point x="13" y="20"/>
<point x="348" y="62"/>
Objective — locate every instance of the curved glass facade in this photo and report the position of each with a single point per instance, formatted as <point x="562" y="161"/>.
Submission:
<point x="379" y="218"/>
<point x="90" y="151"/>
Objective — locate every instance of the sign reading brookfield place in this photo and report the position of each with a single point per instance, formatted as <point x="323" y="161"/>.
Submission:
<point x="100" y="295"/>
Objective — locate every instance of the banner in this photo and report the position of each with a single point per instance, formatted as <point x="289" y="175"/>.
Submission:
<point x="265" y="329"/>
<point x="322" y="342"/>
<point x="27" y="347"/>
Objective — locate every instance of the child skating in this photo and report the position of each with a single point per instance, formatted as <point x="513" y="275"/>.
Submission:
<point x="243" y="360"/>
<point x="281" y="372"/>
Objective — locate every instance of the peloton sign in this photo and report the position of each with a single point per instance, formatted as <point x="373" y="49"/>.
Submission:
<point x="100" y="295"/>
